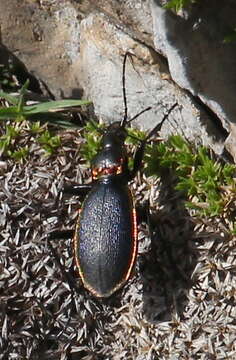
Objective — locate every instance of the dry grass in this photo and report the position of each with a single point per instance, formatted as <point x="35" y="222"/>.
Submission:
<point x="180" y="304"/>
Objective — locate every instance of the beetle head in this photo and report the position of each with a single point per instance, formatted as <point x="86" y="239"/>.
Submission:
<point x="114" y="136"/>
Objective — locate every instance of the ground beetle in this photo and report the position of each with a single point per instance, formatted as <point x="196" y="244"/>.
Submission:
<point x="105" y="237"/>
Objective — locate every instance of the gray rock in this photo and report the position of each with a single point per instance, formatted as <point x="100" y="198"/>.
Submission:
<point x="45" y="37"/>
<point x="199" y="59"/>
<point x="77" y="48"/>
<point x="102" y="50"/>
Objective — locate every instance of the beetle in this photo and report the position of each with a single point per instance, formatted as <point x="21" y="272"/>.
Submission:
<point x="105" y="236"/>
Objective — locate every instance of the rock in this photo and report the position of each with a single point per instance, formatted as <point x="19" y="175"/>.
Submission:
<point x="77" y="47"/>
<point x="147" y="84"/>
<point x="45" y="37"/>
<point x="230" y="143"/>
<point x="199" y="59"/>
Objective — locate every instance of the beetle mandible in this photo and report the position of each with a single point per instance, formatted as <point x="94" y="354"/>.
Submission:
<point x="105" y="236"/>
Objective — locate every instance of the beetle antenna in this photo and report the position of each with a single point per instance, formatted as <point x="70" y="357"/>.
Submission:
<point x="159" y="126"/>
<point x="156" y="128"/>
<point x="123" y="123"/>
<point x="141" y="112"/>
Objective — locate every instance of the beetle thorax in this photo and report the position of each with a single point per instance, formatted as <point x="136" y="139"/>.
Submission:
<point x="110" y="161"/>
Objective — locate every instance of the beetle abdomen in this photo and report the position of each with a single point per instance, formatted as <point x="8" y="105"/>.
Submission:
<point x="105" y="241"/>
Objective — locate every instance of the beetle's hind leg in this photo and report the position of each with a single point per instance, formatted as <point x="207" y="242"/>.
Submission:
<point x="143" y="213"/>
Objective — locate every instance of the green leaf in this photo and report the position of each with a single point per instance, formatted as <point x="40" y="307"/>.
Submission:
<point x="44" y="138"/>
<point x="19" y="154"/>
<point x="35" y="127"/>
<point x="178" y="4"/>
<point x="58" y="105"/>
<point x="135" y="136"/>
<point x="4" y="144"/>
<point x="55" y="141"/>
<point x="228" y="173"/>
<point x="54" y="119"/>
<point x="188" y="185"/>
<point x="10" y="98"/>
<point x="178" y="142"/>
<point x="233" y="231"/>
<point x="14" y="112"/>
<point x="23" y="91"/>
<point x="49" y="142"/>
<point x="11" y="132"/>
<point x="230" y="37"/>
<point x="48" y="149"/>
<point x="9" y="113"/>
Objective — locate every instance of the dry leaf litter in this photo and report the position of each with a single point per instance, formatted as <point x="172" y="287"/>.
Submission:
<point x="180" y="303"/>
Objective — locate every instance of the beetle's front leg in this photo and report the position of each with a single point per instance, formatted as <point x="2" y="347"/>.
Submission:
<point x="137" y="160"/>
<point x="77" y="189"/>
<point x="140" y="151"/>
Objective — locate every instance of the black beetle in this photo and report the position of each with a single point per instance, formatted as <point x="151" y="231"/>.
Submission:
<point x="105" y="237"/>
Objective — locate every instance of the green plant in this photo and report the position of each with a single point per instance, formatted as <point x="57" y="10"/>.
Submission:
<point x="40" y="111"/>
<point x="7" y="80"/>
<point x="177" y="5"/>
<point x="92" y="141"/>
<point x="200" y="177"/>
<point x="92" y="135"/>
<point x="49" y="142"/>
<point x="20" y="154"/>
<point x="36" y="128"/>
<point x="206" y="183"/>
<point x="29" y="119"/>
<point x="7" y="140"/>
<point x="231" y="37"/>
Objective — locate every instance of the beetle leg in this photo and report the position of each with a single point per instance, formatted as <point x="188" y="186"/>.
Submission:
<point x="137" y="160"/>
<point x="77" y="189"/>
<point x="60" y="234"/>
<point x="143" y="213"/>
<point x="140" y="151"/>
<point x="158" y="127"/>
